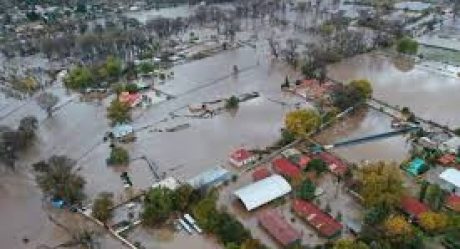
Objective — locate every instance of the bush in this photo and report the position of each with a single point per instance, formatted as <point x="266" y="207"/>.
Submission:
<point x="407" y="45"/>
<point x="102" y="207"/>
<point x="317" y="165"/>
<point x="307" y="190"/>
<point x="118" y="156"/>
<point x="232" y="103"/>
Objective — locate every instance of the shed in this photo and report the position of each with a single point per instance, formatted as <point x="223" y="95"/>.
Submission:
<point x="122" y="130"/>
<point x="263" y="191"/>
<point x="416" y="167"/>
<point x="241" y="157"/>
<point x="210" y="178"/>
<point x="451" y="180"/>
<point x="279" y="228"/>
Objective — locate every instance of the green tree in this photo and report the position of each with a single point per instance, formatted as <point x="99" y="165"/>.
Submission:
<point x="185" y="197"/>
<point x="232" y="102"/>
<point x="118" y="156"/>
<point x="433" y="222"/>
<point x="57" y="179"/>
<point x="317" y="165"/>
<point x="457" y="131"/>
<point x="349" y="244"/>
<point x="118" y="112"/>
<point x="102" y="207"/>
<point x="302" y="122"/>
<point x="382" y="184"/>
<point x="434" y="196"/>
<point x="158" y="206"/>
<point x="307" y="190"/>
<point x="131" y="88"/>
<point x="79" y="78"/>
<point x="113" y="67"/>
<point x="407" y="45"/>
<point x="363" y="87"/>
<point x="287" y="137"/>
<point x="376" y="215"/>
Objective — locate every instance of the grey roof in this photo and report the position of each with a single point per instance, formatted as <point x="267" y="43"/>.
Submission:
<point x="213" y="176"/>
<point x="122" y="130"/>
<point x="263" y="191"/>
<point x="451" y="176"/>
<point x="412" y="6"/>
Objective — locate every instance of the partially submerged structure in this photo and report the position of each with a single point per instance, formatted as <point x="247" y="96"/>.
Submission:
<point x="263" y="191"/>
<point x="241" y="157"/>
<point x="326" y="226"/>
<point x="451" y="180"/>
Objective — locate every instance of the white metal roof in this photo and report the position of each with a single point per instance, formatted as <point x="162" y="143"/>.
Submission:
<point x="263" y="191"/>
<point x="451" y="176"/>
<point x="170" y="183"/>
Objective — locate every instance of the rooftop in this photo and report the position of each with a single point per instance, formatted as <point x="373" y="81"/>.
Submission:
<point x="278" y="227"/>
<point x="210" y="177"/>
<point x="241" y="155"/>
<point x="285" y="167"/>
<point x="451" y="176"/>
<point x="322" y="222"/>
<point x="413" y="207"/>
<point x="335" y="165"/>
<point x="263" y="191"/>
<point x="260" y="174"/>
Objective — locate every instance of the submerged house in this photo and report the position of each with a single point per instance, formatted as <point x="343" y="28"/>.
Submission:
<point x="279" y="228"/>
<point x="210" y="178"/>
<point x="416" y="167"/>
<point x="451" y="180"/>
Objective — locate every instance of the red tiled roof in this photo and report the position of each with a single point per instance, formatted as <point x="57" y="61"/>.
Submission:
<point x="260" y="174"/>
<point x="447" y="159"/>
<point x="284" y="167"/>
<point x="240" y="155"/>
<point x="453" y="202"/>
<point x="302" y="161"/>
<point x="278" y="227"/>
<point x="322" y="222"/>
<point x="413" y="207"/>
<point x="129" y="98"/>
<point x="335" y="165"/>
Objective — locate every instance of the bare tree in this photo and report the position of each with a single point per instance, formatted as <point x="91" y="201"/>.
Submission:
<point x="47" y="101"/>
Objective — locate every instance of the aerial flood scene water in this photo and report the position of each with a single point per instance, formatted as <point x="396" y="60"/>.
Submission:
<point x="229" y="124"/>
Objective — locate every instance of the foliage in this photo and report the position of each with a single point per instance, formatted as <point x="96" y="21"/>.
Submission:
<point x="118" y="156"/>
<point x="79" y="78"/>
<point x="434" y="196"/>
<point x="457" y="131"/>
<point x="302" y="122"/>
<point x="397" y="226"/>
<point x="47" y="101"/>
<point x="407" y="45"/>
<point x="349" y="244"/>
<point x="101" y="209"/>
<point x="158" y="206"/>
<point x="318" y="165"/>
<point x="287" y="137"/>
<point x="112" y="67"/>
<point x="348" y="96"/>
<point x="118" y="112"/>
<point x="306" y="190"/>
<point x="382" y="184"/>
<point x="146" y="67"/>
<point x="362" y="86"/>
<point x="376" y="215"/>
<point x="57" y="179"/>
<point x="232" y="102"/>
<point x="433" y="222"/>
<point x="131" y="88"/>
<point x="160" y="203"/>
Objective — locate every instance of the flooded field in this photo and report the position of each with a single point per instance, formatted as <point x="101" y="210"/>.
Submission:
<point x="366" y="123"/>
<point x="429" y="94"/>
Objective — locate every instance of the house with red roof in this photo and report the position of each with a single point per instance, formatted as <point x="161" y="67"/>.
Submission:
<point x="413" y="207"/>
<point x="286" y="168"/>
<point x="323" y="223"/>
<point x="241" y="157"/>
<point x="453" y="202"/>
<point x="283" y="232"/>
<point x="131" y="99"/>
<point x="334" y="164"/>
<point x="261" y="173"/>
<point x="447" y="159"/>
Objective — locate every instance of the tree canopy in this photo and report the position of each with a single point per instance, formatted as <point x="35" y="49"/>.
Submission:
<point x="302" y="122"/>
<point x="79" y="78"/>
<point x="57" y="179"/>
<point x="433" y="222"/>
<point x="382" y="184"/>
<point x="101" y="209"/>
<point x="47" y="101"/>
<point x="118" y="112"/>
<point x="118" y="156"/>
<point x="349" y="244"/>
<point x="306" y="190"/>
<point x="363" y="86"/>
<point x="407" y="45"/>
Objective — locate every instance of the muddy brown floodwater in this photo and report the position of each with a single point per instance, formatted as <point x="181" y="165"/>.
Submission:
<point x="366" y="122"/>
<point x="429" y="94"/>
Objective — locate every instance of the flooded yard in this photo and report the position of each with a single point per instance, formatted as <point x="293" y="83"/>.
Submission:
<point x="364" y="123"/>
<point x="429" y="94"/>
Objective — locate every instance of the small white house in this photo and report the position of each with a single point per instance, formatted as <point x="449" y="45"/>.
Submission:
<point x="241" y="157"/>
<point x="450" y="180"/>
